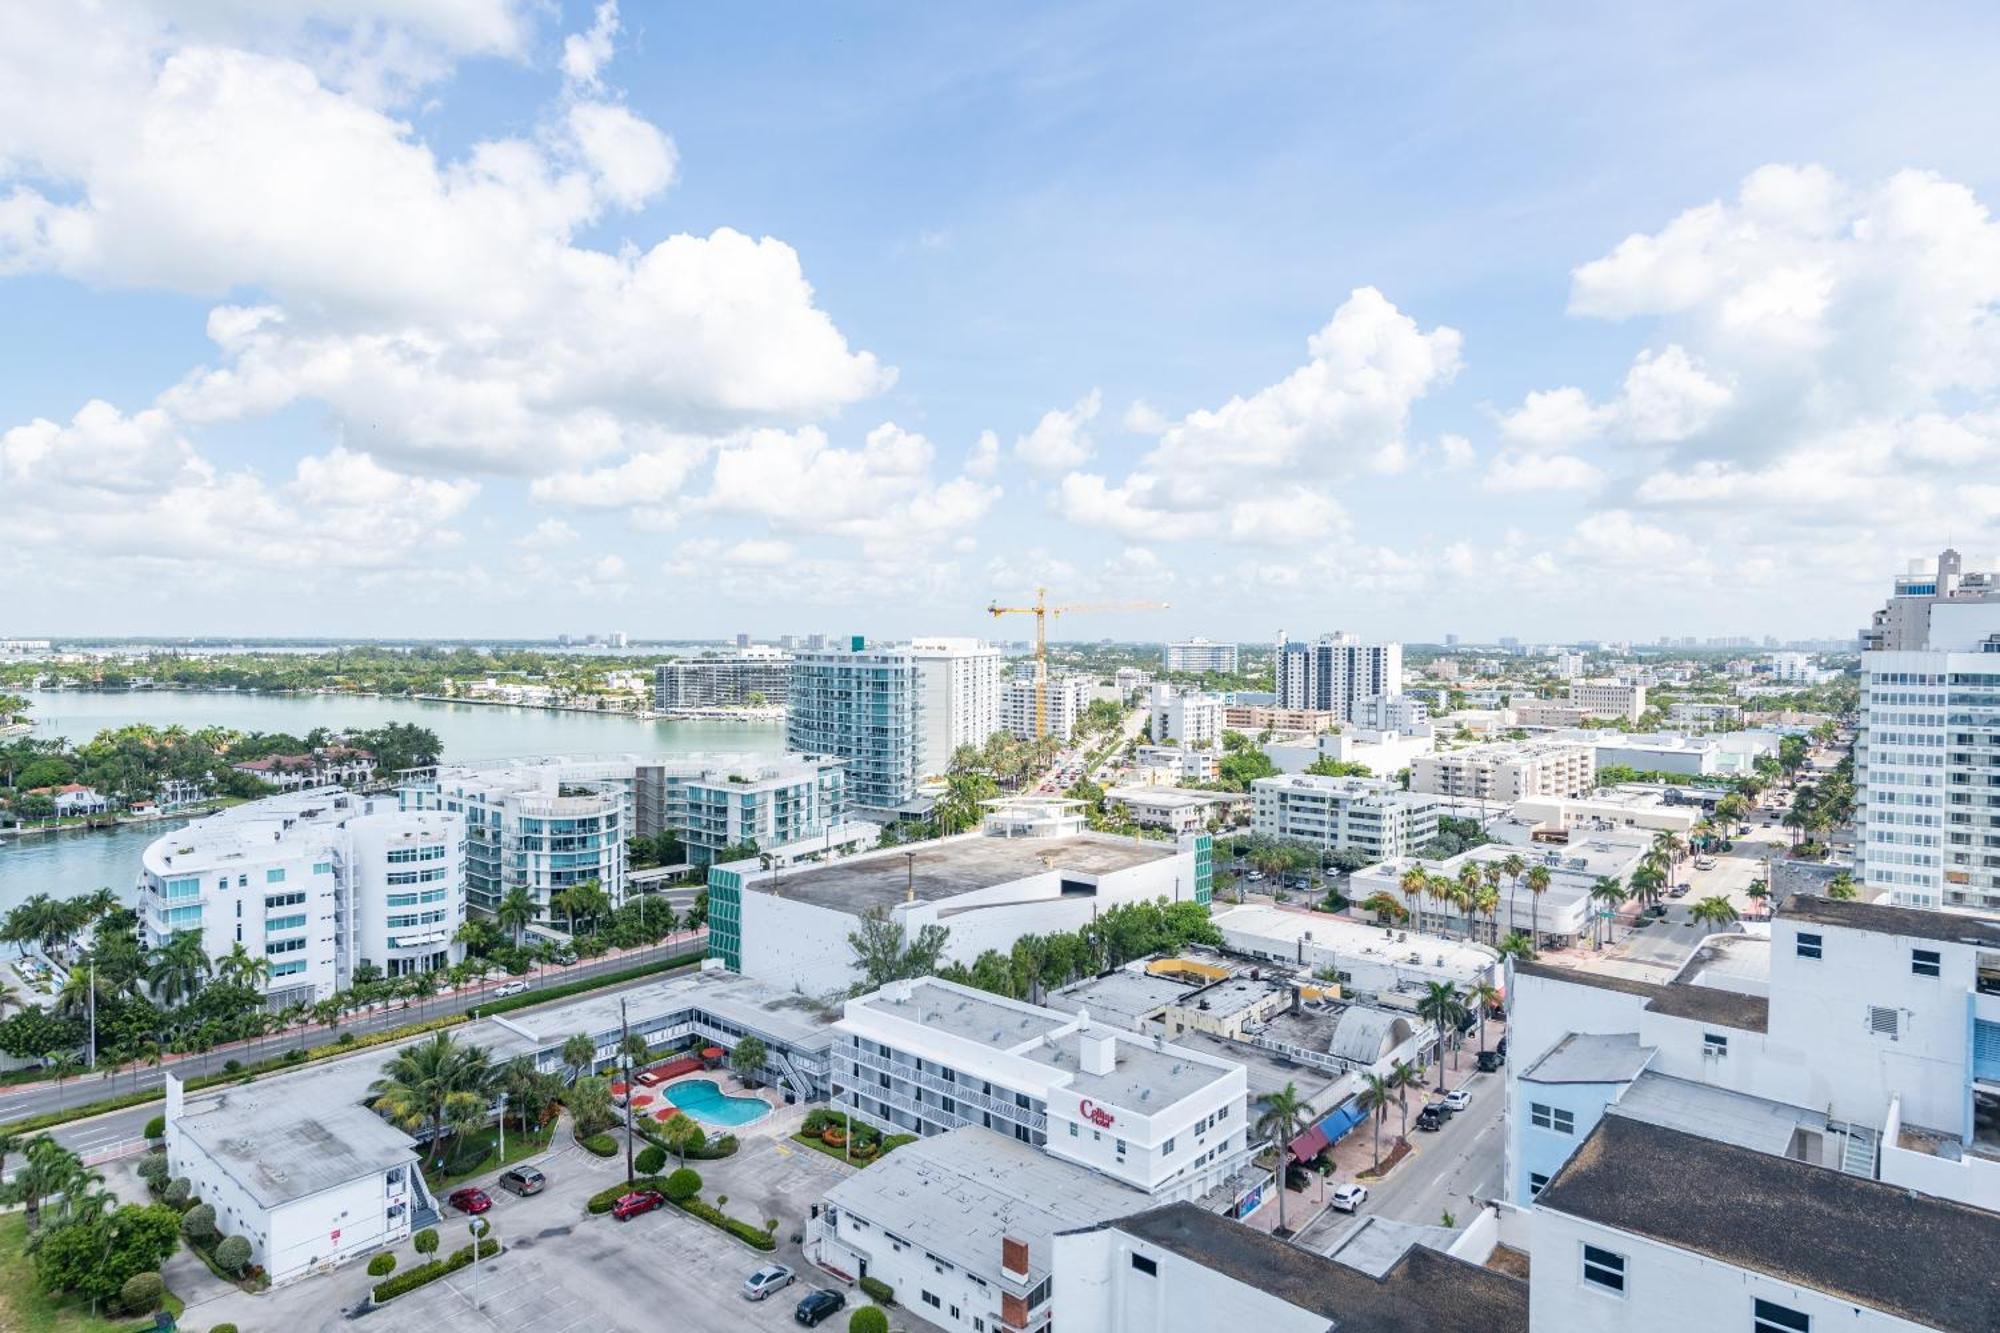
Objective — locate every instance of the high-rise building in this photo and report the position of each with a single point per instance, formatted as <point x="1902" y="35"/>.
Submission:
<point x="1068" y="698"/>
<point x="742" y="640"/>
<point x="545" y="827"/>
<point x="316" y="884"/>
<point x="958" y="687"/>
<point x="1927" y="756"/>
<point x="861" y="704"/>
<point x="1335" y="672"/>
<point x="1201" y="656"/>
<point x="1187" y="719"/>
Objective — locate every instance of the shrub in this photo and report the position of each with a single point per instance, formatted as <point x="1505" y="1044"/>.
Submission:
<point x="601" y="1201"/>
<point x="382" y="1265"/>
<point x="142" y="1293"/>
<point x="817" y="1120"/>
<point x="878" y="1291"/>
<point x="722" y="1147"/>
<point x="895" y="1141"/>
<point x="223" y="1328"/>
<point x="153" y="1169"/>
<point x="868" y="1319"/>
<point x="178" y="1190"/>
<point x="198" y="1223"/>
<point x="232" y="1066"/>
<point x="233" y="1254"/>
<point x="651" y="1158"/>
<point x="755" y="1237"/>
<point x="479" y="1227"/>
<point x="346" y="1039"/>
<point x="682" y="1184"/>
<point x="603" y="1145"/>
<point x="156" y="1128"/>
<point x="426" y="1241"/>
<point x="833" y="1136"/>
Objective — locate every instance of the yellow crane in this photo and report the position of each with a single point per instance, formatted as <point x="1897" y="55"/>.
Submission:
<point x="1041" y="611"/>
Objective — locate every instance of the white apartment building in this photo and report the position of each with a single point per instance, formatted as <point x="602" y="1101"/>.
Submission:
<point x="1383" y="753"/>
<point x="1130" y="680"/>
<point x="1372" y="964"/>
<point x="1702" y="715"/>
<point x="1068" y="699"/>
<point x="1927" y="754"/>
<point x="1175" y="809"/>
<point x="756" y="673"/>
<point x="1192" y="718"/>
<point x="1405" y="714"/>
<point x="1543" y="713"/>
<point x="315" y="884"/>
<point x="1609" y="698"/>
<point x="790" y="926"/>
<point x="542" y="825"/>
<point x="958" y="698"/>
<point x="1568" y="666"/>
<point x="1201" y="656"/>
<point x="1796" y="669"/>
<point x="1371" y="815"/>
<point x="1504" y="772"/>
<point x="1177" y="763"/>
<point x="1560" y="915"/>
<point x="1904" y="622"/>
<point x="1335" y="672"/>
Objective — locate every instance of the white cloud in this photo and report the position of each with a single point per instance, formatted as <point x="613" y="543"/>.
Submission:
<point x="1666" y="397"/>
<point x="586" y="53"/>
<point x="1290" y="516"/>
<point x="1059" y="440"/>
<point x="1555" y="419"/>
<point x="1456" y="451"/>
<point x="630" y="158"/>
<point x="1142" y="418"/>
<point x="1514" y="472"/>
<point x="654" y="477"/>
<point x="984" y="460"/>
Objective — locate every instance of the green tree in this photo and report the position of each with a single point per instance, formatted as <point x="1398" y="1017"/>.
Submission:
<point x="233" y="1253"/>
<point x="1840" y="887"/>
<point x="1327" y="767"/>
<point x="1441" y="1006"/>
<point x="868" y="1319"/>
<point x="748" y="1059"/>
<point x="1284" y="1116"/>
<point x="178" y="967"/>
<point x="428" y="1083"/>
<point x="683" y="1135"/>
<point x="884" y="953"/>
<point x="516" y="911"/>
<point x="1373" y="1100"/>
<point x="239" y="967"/>
<point x="1608" y="894"/>
<point x="94" y="1259"/>
<point x="1714" y="910"/>
<point x="579" y="1054"/>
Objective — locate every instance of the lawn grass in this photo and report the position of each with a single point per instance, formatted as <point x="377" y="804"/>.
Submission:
<point x="480" y="1154"/>
<point x="24" y="1305"/>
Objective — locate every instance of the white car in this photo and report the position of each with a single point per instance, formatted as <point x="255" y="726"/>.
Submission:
<point x="766" y="1280"/>
<point x="511" y="988"/>
<point x="1349" y="1198"/>
<point x="1458" y="1099"/>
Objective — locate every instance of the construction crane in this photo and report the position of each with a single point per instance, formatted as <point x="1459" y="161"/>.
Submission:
<point x="1041" y="611"/>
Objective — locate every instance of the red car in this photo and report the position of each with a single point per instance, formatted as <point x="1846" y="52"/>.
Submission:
<point x="469" y="1200"/>
<point x="637" y="1202"/>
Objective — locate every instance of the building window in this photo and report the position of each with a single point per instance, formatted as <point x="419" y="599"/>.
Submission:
<point x="1551" y="1117"/>
<point x="1167" y="1148"/>
<point x="1537" y="1182"/>
<point x="1926" y="962"/>
<point x="1809" y="945"/>
<point x="1602" y="1268"/>
<point x="1770" y="1317"/>
<point x="1145" y="1265"/>
<point x="274" y="876"/>
<point x="1073" y="1130"/>
<point x="1714" y="1043"/>
<point x="932" y="1301"/>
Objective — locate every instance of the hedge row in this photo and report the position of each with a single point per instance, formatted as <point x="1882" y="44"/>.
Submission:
<point x="600" y="1202"/>
<point x="755" y="1237"/>
<point x="353" y="1042"/>
<point x="603" y="1145"/>
<point x="416" y="1277"/>
<point x="723" y="1147"/>
<point x="878" y="1290"/>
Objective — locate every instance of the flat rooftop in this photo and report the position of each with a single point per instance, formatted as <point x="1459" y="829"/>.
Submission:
<point x="1143" y="1077"/>
<point x="1740" y="963"/>
<point x="967" y="1014"/>
<point x="281" y="1146"/>
<point x="945" y="868"/>
<point x="1177" y="798"/>
<point x="1344" y="935"/>
<point x="1750" y="1013"/>
<point x="1756" y="1123"/>
<point x="959" y="1193"/>
<point x="789" y="1017"/>
<point x="1590" y="1057"/>
<point x="1919" y="1258"/>
<point x="1910" y="922"/>
<point x="1422" y="1292"/>
<point x="1125" y="997"/>
<point x="1266" y="1072"/>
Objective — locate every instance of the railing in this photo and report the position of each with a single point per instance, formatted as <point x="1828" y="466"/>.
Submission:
<point x="958" y="1092"/>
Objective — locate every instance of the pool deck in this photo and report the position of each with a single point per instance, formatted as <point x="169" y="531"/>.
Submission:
<point x="729" y="1086"/>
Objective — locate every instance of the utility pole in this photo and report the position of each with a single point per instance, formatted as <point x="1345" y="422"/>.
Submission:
<point x="93" y="1013"/>
<point x="624" y="1050"/>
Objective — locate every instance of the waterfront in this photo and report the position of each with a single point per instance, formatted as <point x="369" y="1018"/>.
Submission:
<point x="67" y="863"/>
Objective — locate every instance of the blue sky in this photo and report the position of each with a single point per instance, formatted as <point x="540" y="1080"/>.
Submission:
<point x="465" y="380"/>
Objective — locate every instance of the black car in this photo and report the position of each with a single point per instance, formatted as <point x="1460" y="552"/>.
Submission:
<point x="1431" y="1118"/>
<point x="817" y="1306"/>
<point x="1490" y="1061"/>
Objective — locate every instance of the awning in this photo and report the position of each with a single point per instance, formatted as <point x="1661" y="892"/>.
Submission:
<point x="1308" y="1145"/>
<point x="1336" y="1126"/>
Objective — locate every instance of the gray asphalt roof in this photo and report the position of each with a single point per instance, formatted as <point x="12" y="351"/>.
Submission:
<point x="951" y="866"/>
<point x="1883" y="919"/>
<point x="958" y="1193"/>
<point x="1123" y="996"/>
<point x="1751" y="1013"/>
<point x="281" y="1147"/>
<point x="770" y="1010"/>
<point x="1423" y="1292"/>
<point x="1920" y="1258"/>
<point x="1733" y="1117"/>
<point x="1589" y="1057"/>
<point x="967" y="1013"/>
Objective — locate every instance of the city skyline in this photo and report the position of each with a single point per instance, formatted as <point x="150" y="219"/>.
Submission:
<point x="642" y="315"/>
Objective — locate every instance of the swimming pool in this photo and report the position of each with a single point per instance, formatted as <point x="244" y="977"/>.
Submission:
<point x="706" y="1102"/>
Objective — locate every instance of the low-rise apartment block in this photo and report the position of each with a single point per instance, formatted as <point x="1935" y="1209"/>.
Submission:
<point x="1176" y="809"/>
<point x="1068" y="698"/>
<point x="1609" y="698"/>
<point x="1252" y="719"/>
<point x="1177" y="763"/>
<point x="1371" y="815"/>
<point x="749" y="675"/>
<point x="1507" y="771"/>
<point x="1192" y="718"/>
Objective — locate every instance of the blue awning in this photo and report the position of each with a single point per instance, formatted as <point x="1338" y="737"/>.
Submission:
<point x="1340" y="1122"/>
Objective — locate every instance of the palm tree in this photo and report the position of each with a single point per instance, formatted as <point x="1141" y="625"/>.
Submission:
<point x="1517" y="945"/>
<point x="63" y="1067"/>
<point x="1285" y="1115"/>
<point x="1538" y="884"/>
<point x="1415" y="881"/>
<point x="1470" y="881"/>
<point x="579" y="1053"/>
<point x="429" y="1082"/>
<point x="1374" y="1099"/>
<point x="47" y="1170"/>
<point x="1402" y="1077"/>
<point x="1669" y="845"/>
<point x="586" y="901"/>
<point x="1648" y="879"/>
<point x="1440" y="1005"/>
<point x="1840" y="887"/>
<point x="1488" y="906"/>
<point x="177" y="968"/>
<point x="1513" y="865"/>
<point x="1758" y="892"/>
<point x="239" y="967"/>
<point x="516" y="911"/>
<point x="1609" y="894"/>
<point x="1714" y="910"/>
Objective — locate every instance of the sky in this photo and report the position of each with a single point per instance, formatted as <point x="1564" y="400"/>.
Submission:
<point x="464" y="318"/>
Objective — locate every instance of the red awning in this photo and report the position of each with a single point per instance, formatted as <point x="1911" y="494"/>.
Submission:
<point x="1308" y="1145"/>
<point x="711" y="1052"/>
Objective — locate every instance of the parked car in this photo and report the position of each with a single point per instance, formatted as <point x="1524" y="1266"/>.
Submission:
<point x="1704" y="863"/>
<point x="769" y="1278"/>
<point x="1431" y="1118"/>
<point x="817" y="1306"/>
<point x="523" y="1180"/>
<point x="1458" y="1099"/>
<point x="470" y="1200"/>
<point x="637" y="1202"/>
<point x="1490" y="1061"/>
<point x="1678" y="891"/>
<point x="1349" y="1198"/>
<point x="511" y="988"/>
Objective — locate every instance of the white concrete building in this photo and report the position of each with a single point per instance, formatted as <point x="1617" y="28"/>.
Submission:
<point x="958" y="698"/>
<point x="1904" y="622"/>
<point x="1068" y="698"/>
<point x="860" y="703"/>
<point x="1373" y="964"/>
<point x="315" y="884"/>
<point x="1705" y="715"/>
<point x="1405" y="714"/>
<point x="1384" y="753"/>
<point x="1190" y="718"/>
<point x="542" y="825"/>
<point x="1609" y="698"/>
<point x="1335" y="672"/>
<point x="756" y="674"/>
<point x="1560" y="915"/>
<point x="1505" y="772"/>
<point x="1796" y="669"/>
<point x="1176" y="809"/>
<point x="1371" y="815"/>
<point x="790" y="927"/>
<point x="1568" y="666"/>
<point x="1201" y="657"/>
<point x="1176" y="764"/>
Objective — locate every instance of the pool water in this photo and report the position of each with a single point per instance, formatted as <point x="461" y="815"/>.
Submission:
<point x="706" y="1102"/>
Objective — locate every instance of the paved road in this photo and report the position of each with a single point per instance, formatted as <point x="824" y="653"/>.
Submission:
<point x="26" y="1101"/>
